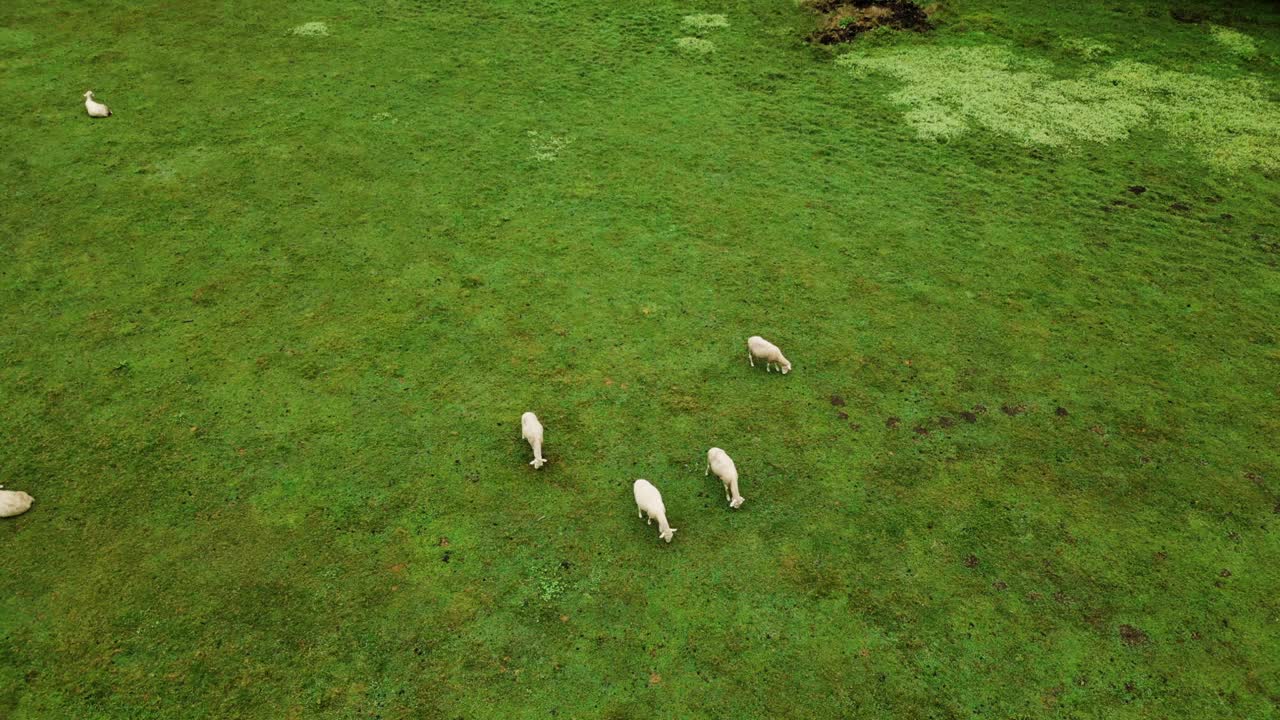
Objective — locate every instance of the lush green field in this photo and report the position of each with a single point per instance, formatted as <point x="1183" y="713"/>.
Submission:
<point x="268" y="332"/>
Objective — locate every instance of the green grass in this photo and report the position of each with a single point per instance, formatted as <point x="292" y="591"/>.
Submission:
<point x="268" y="332"/>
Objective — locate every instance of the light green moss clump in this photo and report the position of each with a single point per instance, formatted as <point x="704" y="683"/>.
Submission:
<point x="546" y="147"/>
<point x="947" y="91"/>
<point x="311" y="29"/>
<point x="1234" y="41"/>
<point x="1086" y="48"/>
<point x="704" y="21"/>
<point x="695" y="46"/>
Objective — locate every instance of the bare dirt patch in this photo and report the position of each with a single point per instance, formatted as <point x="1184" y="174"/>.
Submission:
<point x="968" y="416"/>
<point x="843" y="21"/>
<point x="1133" y="636"/>
<point x="837" y="401"/>
<point x="1061" y="412"/>
<point x="892" y="422"/>
<point x="945" y="421"/>
<point x="1013" y="410"/>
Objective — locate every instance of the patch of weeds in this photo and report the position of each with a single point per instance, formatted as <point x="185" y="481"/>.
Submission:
<point x="695" y="46"/>
<point x="550" y="586"/>
<point x="948" y="91"/>
<point x="1234" y="41"/>
<point x="1086" y="48"/>
<point x="704" y="21"/>
<point x="311" y="29"/>
<point x="547" y="147"/>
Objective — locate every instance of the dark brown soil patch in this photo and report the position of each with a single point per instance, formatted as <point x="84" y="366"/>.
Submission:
<point x="921" y="430"/>
<point x="844" y="20"/>
<point x="1000" y="585"/>
<point x="1161" y="556"/>
<point x="1180" y="207"/>
<point x="979" y="409"/>
<point x="971" y="561"/>
<point x="1137" y="189"/>
<point x="1034" y="596"/>
<point x="1185" y="14"/>
<point x="1132" y="635"/>
<point x="892" y="422"/>
<point x="855" y="427"/>
<point x="837" y="401"/>
<point x="842" y="415"/>
<point x="1225" y="573"/>
<point x="968" y="416"/>
<point x="1013" y="410"/>
<point x="1061" y="412"/>
<point x="946" y="421"/>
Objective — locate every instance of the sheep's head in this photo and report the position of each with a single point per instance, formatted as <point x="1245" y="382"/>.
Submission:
<point x="668" y="534"/>
<point x="88" y="94"/>
<point x="786" y="366"/>
<point x="737" y="502"/>
<point x="537" y="463"/>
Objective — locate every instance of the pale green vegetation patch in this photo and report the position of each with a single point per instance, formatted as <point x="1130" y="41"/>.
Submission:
<point x="1232" y="123"/>
<point x="311" y="29"/>
<point x="1234" y="41"/>
<point x="695" y="46"/>
<point x="547" y="147"/>
<point x="1087" y="48"/>
<point x="705" y="21"/>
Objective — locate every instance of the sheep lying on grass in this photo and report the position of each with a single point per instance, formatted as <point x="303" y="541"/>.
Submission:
<point x="95" y="108"/>
<point x="531" y="430"/>
<point x="16" y="502"/>
<point x="649" y="502"/>
<point x="758" y="347"/>
<point x="720" y="462"/>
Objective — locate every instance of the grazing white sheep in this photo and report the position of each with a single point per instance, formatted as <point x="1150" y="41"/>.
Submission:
<point x="16" y="502"/>
<point x="649" y="502"/>
<point x="95" y="108"/>
<point x="531" y="430"/>
<point x="720" y="462"/>
<point x="758" y="347"/>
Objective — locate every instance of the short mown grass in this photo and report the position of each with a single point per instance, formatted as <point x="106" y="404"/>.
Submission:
<point x="268" y="332"/>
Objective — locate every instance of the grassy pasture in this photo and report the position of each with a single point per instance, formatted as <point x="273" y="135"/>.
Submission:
<point x="268" y="331"/>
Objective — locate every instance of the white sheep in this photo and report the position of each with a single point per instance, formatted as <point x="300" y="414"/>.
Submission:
<point x="758" y="347"/>
<point x="720" y="462"/>
<point x="531" y="430"/>
<point x="95" y="108"/>
<point x="16" y="502"/>
<point x="649" y="501"/>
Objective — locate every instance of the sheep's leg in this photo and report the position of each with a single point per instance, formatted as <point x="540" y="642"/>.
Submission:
<point x="639" y="512"/>
<point x="708" y="472"/>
